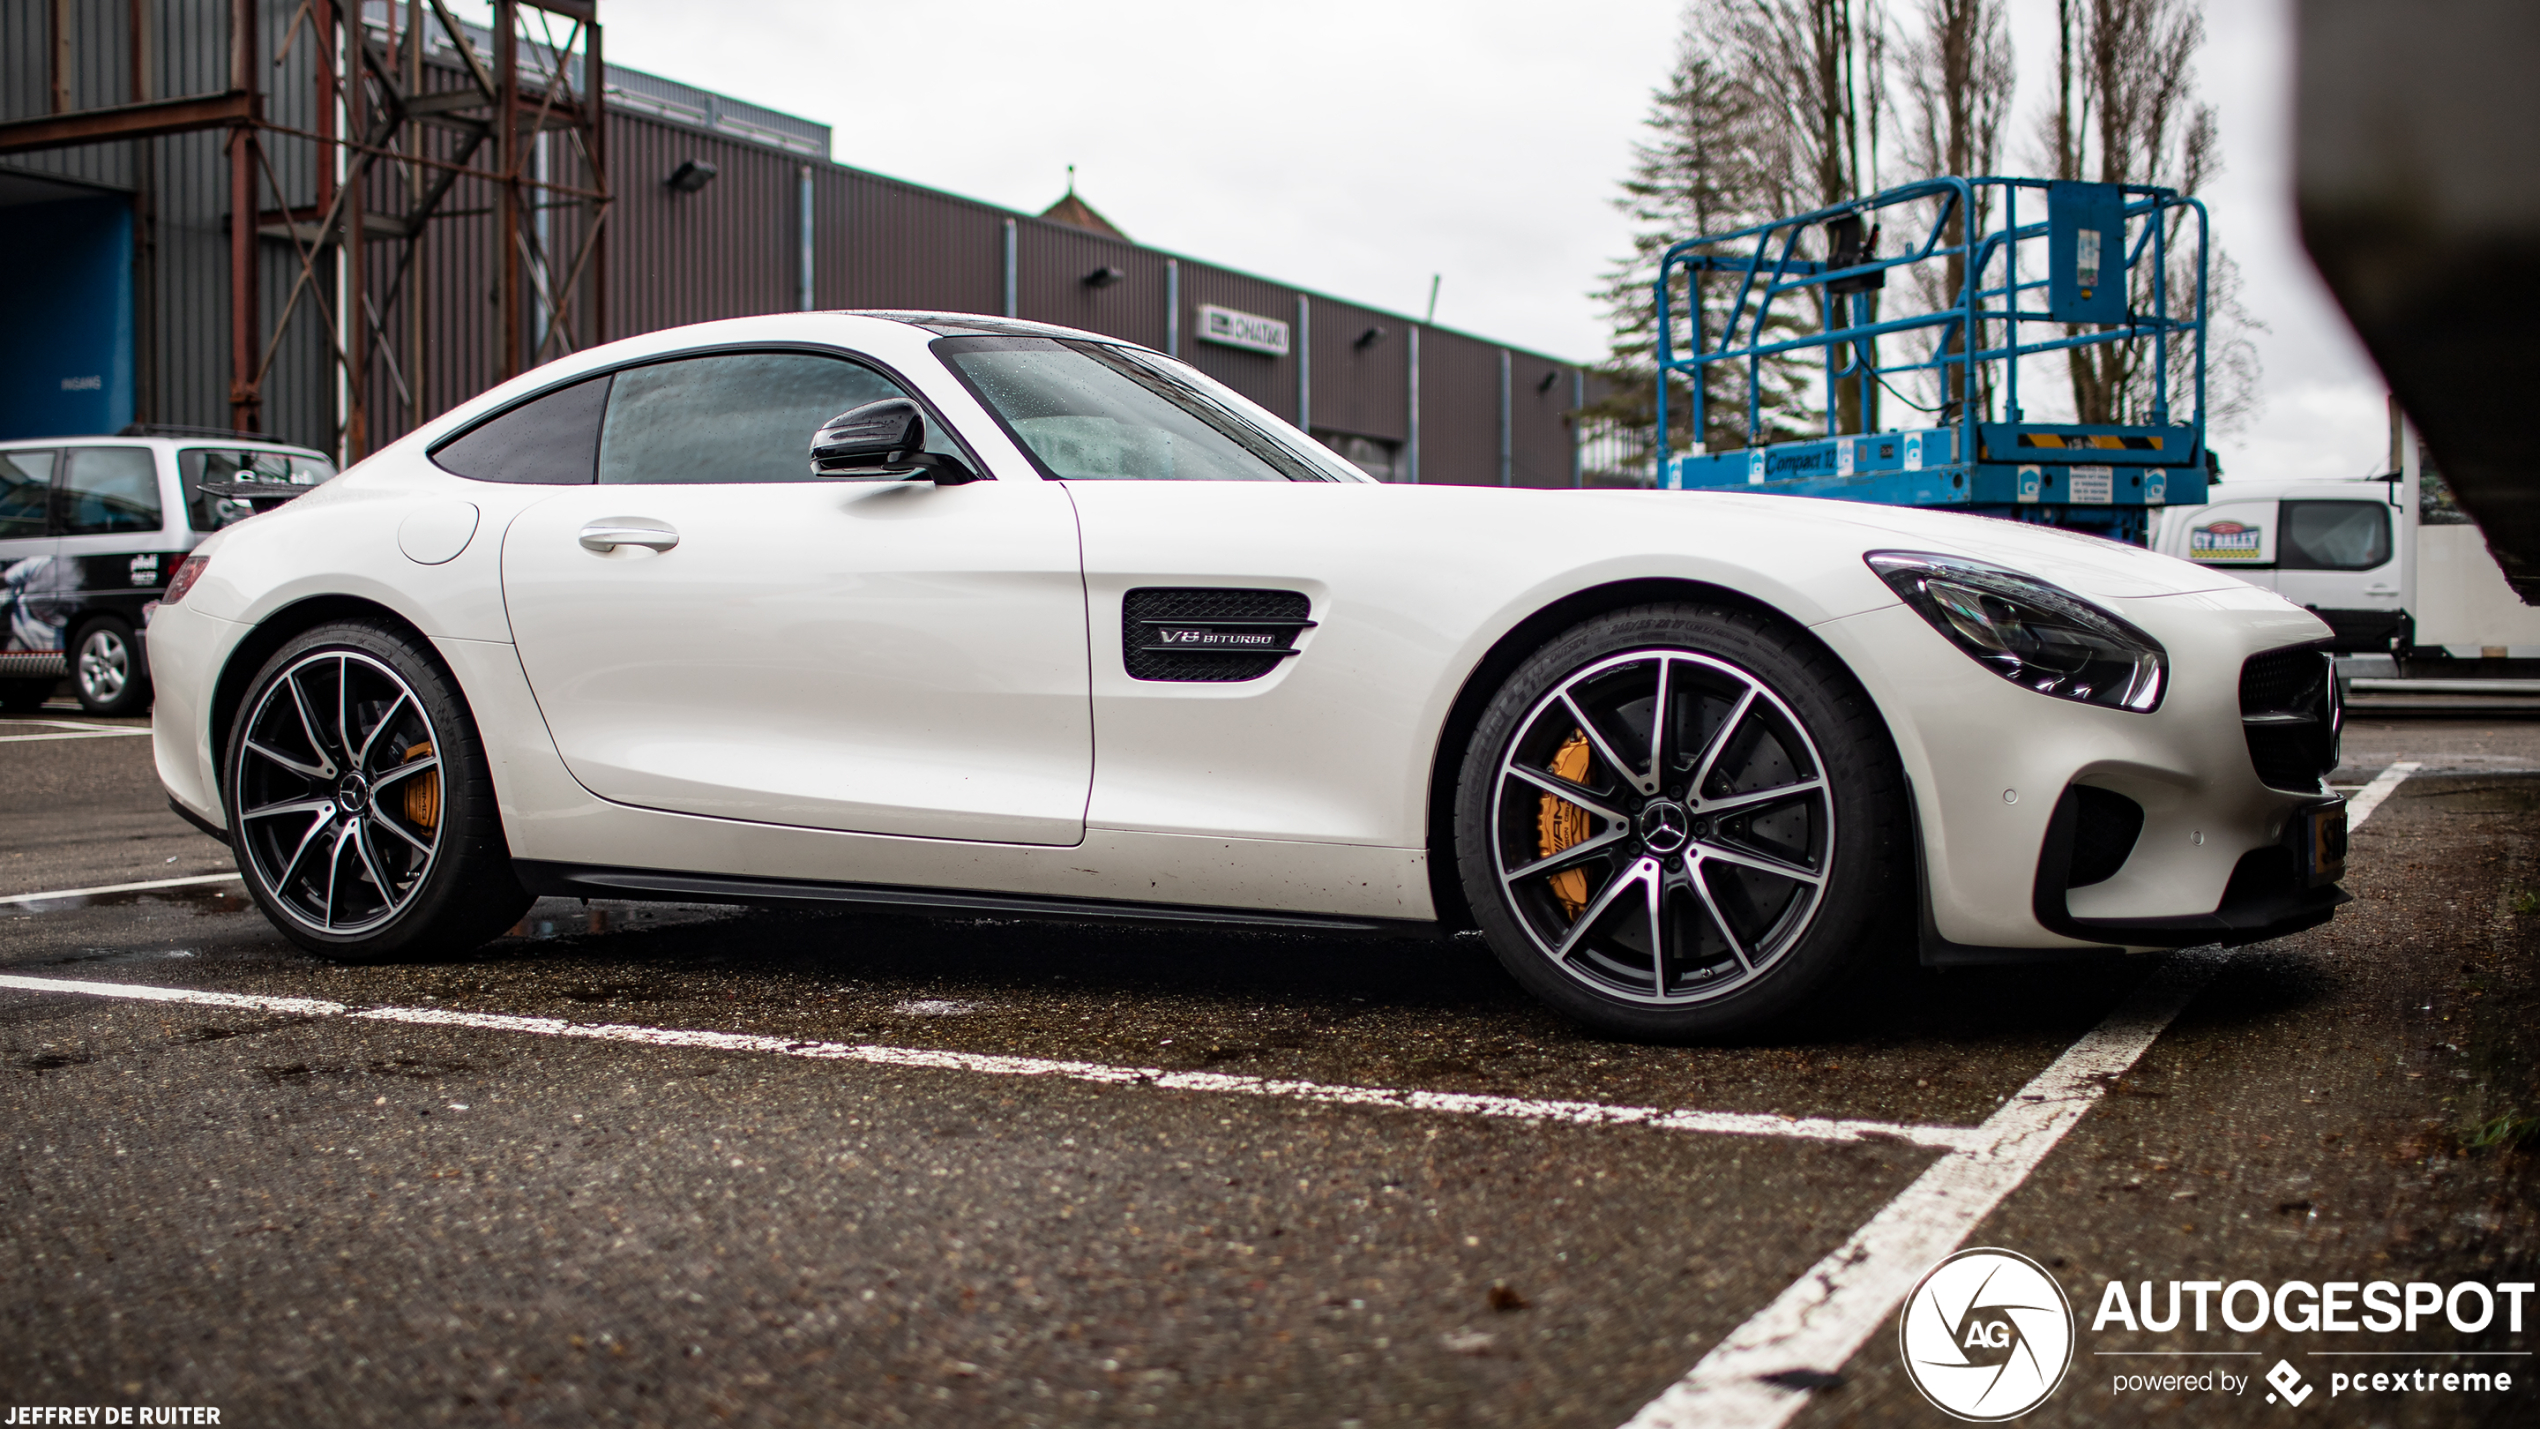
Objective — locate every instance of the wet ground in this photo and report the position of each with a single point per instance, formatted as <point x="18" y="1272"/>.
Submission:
<point x="305" y="1217"/>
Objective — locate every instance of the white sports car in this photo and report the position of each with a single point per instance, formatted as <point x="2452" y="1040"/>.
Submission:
<point x="966" y="613"/>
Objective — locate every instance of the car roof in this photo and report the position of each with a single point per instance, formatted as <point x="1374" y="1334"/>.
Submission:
<point x="978" y="325"/>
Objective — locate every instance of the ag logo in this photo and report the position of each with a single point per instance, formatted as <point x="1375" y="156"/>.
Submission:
<point x="1987" y="1335"/>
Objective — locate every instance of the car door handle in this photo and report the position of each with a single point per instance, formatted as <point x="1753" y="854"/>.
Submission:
<point x="609" y="533"/>
<point x="2381" y="590"/>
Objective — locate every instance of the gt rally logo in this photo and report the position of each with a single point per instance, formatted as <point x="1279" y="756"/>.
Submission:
<point x="1987" y="1335"/>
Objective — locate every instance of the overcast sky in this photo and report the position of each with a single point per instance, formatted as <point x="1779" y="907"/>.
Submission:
<point x="1357" y="148"/>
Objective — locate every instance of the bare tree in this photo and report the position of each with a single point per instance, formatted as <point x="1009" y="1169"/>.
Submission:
<point x="1957" y="80"/>
<point x="1818" y="68"/>
<point x="2125" y="113"/>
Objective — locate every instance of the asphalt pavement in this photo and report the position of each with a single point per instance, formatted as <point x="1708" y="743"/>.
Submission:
<point x="673" y="1165"/>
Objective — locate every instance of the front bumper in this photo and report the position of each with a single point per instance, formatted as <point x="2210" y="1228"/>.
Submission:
<point x="1990" y="764"/>
<point x="2273" y="890"/>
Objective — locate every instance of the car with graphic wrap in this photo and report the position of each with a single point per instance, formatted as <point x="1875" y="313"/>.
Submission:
<point x="91" y="529"/>
<point x="954" y="612"/>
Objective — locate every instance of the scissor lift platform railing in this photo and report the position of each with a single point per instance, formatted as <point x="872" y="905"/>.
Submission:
<point x="2106" y="281"/>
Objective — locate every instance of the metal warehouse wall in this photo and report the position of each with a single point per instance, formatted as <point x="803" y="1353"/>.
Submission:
<point x="179" y="189"/>
<point x="731" y="249"/>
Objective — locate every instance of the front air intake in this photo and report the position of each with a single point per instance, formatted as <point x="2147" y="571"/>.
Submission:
<point x="2105" y="827"/>
<point x="2290" y="713"/>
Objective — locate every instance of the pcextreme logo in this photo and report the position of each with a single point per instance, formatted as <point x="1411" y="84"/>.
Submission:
<point x="1987" y="1335"/>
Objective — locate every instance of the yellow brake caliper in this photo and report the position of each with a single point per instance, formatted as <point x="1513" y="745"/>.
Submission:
<point x="1559" y="824"/>
<point x="423" y="792"/>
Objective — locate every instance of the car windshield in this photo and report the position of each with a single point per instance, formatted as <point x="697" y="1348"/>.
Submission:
<point x="208" y="511"/>
<point x="1098" y="411"/>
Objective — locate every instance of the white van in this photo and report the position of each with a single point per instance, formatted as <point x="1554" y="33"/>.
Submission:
<point x="2344" y="549"/>
<point x="2364" y="555"/>
<point x="91" y="528"/>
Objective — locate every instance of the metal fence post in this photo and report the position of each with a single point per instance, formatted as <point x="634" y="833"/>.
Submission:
<point x="1507" y="426"/>
<point x="803" y="279"/>
<point x="1304" y="364"/>
<point x="1411" y="447"/>
<point x="1012" y="298"/>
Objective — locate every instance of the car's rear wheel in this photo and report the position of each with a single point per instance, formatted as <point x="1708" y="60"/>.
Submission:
<point x="361" y="808"/>
<point x="107" y="669"/>
<point x="1681" y="821"/>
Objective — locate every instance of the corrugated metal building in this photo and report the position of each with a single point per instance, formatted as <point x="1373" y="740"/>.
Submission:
<point x="762" y="221"/>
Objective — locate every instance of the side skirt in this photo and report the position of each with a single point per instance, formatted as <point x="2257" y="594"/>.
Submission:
<point x="568" y="880"/>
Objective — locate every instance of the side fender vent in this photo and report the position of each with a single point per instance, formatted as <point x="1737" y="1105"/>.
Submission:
<point x="1209" y="635"/>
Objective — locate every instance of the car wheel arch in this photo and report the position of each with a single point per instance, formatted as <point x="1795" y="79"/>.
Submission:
<point x="1483" y="680"/>
<point x="238" y="670"/>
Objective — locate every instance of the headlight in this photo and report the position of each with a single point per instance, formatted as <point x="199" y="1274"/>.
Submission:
<point x="2028" y="632"/>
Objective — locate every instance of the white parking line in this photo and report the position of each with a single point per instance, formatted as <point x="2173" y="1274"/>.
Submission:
<point x="1718" y="1123"/>
<point x="1758" y="1376"/>
<point x="2369" y="797"/>
<point x="121" y="888"/>
<point x="78" y="732"/>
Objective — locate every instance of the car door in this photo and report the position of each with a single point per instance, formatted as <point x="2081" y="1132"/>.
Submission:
<point x="756" y="643"/>
<point x="112" y="521"/>
<point x="30" y="625"/>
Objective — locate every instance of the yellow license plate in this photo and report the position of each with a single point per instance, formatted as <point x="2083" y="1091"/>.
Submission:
<point x="2324" y="845"/>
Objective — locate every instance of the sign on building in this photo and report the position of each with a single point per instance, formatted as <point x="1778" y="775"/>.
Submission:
<point x="1249" y="331"/>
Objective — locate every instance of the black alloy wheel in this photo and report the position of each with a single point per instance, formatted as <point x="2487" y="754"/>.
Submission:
<point x="361" y="809"/>
<point x="1681" y="821"/>
<point x="107" y="668"/>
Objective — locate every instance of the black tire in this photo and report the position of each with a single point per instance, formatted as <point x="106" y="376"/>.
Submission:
<point x="107" y="668"/>
<point x="1720" y="887"/>
<point x="354" y="745"/>
<point x="25" y="696"/>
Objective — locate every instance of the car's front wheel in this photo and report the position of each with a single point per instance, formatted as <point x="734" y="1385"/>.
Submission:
<point x="360" y="804"/>
<point x="1681" y="821"/>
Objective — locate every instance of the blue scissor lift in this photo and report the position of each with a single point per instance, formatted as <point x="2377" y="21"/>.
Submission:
<point x="2102" y="243"/>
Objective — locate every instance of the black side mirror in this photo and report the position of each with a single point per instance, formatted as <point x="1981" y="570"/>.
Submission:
<point x="882" y="441"/>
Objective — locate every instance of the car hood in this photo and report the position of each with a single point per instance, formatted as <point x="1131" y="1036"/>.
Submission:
<point x="2086" y="565"/>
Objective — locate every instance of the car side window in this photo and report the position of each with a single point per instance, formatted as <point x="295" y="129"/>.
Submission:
<point x="552" y="440"/>
<point x="734" y="416"/>
<point x="2333" y="536"/>
<point x="26" y="494"/>
<point x="109" y="490"/>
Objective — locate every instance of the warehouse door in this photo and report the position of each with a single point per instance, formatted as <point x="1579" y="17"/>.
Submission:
<point x="66" y="369"/>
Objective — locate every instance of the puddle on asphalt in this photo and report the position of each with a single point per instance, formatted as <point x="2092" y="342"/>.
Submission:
<point x="572" y="917"/>
<point x="203" y="899"/>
